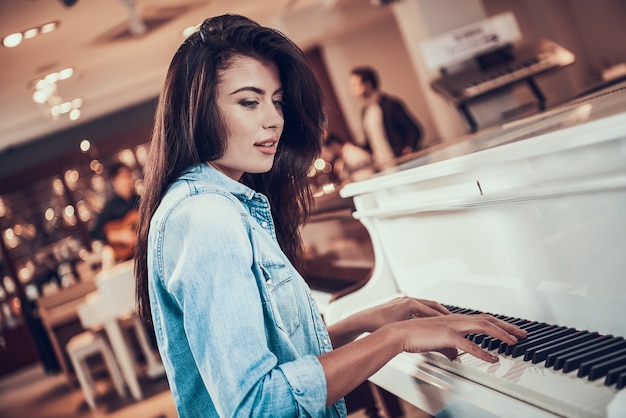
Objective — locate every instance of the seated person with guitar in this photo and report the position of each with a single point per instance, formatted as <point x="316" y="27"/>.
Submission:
<point x="116" y="224"/>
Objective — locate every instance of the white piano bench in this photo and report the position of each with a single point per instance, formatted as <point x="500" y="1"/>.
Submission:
<point x="85" y="345"/>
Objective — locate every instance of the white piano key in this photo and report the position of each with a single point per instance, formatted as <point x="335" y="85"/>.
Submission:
<point x="562" y="394"/>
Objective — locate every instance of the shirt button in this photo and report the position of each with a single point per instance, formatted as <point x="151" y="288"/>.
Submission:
<point x="264" y="224"/>
<point x="325" y="342"/>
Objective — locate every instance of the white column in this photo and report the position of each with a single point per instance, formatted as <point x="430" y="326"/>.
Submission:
<point x="419" y="20"/>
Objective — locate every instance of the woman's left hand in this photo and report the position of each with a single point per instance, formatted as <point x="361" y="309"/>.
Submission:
<point x="400" y="309"/>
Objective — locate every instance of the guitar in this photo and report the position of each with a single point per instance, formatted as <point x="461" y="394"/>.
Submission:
<point x="122" y="250"/>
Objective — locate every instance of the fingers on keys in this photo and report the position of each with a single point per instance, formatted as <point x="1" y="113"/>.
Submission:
<point x="487" y="324"/>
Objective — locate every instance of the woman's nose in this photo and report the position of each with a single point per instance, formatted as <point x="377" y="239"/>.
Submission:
<point x="274" y="117"/>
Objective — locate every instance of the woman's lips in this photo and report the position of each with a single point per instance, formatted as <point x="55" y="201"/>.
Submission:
<point x="268" y="146"/>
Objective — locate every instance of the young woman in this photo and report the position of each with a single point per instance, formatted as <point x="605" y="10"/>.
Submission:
<point x="238" y="124"/>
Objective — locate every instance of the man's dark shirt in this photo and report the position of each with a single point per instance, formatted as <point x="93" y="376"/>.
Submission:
<point x="401" y="128"/>
<point x="116" y="208"/>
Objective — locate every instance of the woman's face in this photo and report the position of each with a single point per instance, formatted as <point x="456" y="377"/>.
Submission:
<point x="249" y="97"/>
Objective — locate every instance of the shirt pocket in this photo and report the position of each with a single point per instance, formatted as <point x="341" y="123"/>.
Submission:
<point x="283" y="296"/>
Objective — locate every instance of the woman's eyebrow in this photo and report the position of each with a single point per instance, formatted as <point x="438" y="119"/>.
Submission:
<point x="255" y="90"/>
<point x="249" y="88"/>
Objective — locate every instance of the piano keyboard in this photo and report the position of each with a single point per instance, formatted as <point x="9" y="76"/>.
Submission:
<point x="563" y="370"/>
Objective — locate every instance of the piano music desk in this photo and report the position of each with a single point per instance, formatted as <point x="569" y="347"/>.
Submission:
<point x="338" y="252"/>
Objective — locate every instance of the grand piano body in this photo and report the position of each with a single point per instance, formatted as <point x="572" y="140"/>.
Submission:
<point x="525" y="220"/>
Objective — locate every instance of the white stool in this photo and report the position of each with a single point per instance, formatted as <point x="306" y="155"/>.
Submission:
<point x="84" y="345"/>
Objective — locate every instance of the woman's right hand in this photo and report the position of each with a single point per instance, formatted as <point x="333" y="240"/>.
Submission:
<point x="446" y="334"/>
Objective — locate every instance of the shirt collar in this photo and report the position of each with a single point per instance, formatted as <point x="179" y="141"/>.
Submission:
<point x="207" y="174"/>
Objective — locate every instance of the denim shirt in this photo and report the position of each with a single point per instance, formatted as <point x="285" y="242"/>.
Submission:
<point x="236" y="325"/>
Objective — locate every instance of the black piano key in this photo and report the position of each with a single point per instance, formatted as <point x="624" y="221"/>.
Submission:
<point x="537" y="332"/>
<point x="494" y="344"/>
<point x="599" y="367"/>
<point x="520" y="349"/>
<point x="530" y="353"/>
<point x="514" y="321"/>
<point x="479" y="338"/>
<point x="574" y="362"/>
<point x="465" y="311"/>
<point x="490" y="343"/>
<point x="541" y="353"/>
<point x="486" y="341"/>
<point x="560" y="362"/>
<point x="613" y="375"/>
<point x="562" y="345"/>
<point x="529" y="327"/>
<point x="558" y="357"/>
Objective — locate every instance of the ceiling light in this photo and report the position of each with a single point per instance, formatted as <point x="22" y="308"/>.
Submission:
<point x="66" y="73"/>
<point x="40" y="97"/>
<point x="189" y="30"/>
<point x="49" y="27"/>
<point x="74" y="114"/>
<point x="31" y="33"/>
<point x="66" y="107"/>
<point x="12" y="40"/>
<point x="47" y="95"/>
<point x="52" y="77"/>
<point x="84" y="147"/>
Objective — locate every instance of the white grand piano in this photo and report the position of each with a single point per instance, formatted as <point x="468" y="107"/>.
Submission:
<point x="527" y="221"/>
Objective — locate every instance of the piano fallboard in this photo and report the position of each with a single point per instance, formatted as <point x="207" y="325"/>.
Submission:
<point x="526" y="220"/>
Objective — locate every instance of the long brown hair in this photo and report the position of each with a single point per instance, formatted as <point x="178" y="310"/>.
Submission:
<point x="188" y="129"/>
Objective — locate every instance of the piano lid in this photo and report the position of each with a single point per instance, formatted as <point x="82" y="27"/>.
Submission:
<point x="527" y="219"/>
<point x="605" y="103"/>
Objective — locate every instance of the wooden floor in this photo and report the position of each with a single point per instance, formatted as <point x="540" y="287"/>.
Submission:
<point x="30" y="393"/>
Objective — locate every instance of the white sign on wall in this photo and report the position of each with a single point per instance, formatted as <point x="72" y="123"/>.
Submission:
<point x="470" y="40"/>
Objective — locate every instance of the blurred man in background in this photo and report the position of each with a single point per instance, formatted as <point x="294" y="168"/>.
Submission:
<point x="390" y="130"/>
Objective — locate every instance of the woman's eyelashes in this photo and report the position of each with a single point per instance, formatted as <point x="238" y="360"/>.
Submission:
<point x="249" y="103"/>
<point x="279" y="103"/>
<point x="253" y="103"/>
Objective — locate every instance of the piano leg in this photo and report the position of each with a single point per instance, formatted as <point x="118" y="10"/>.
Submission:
<point x="364" y="397"/>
